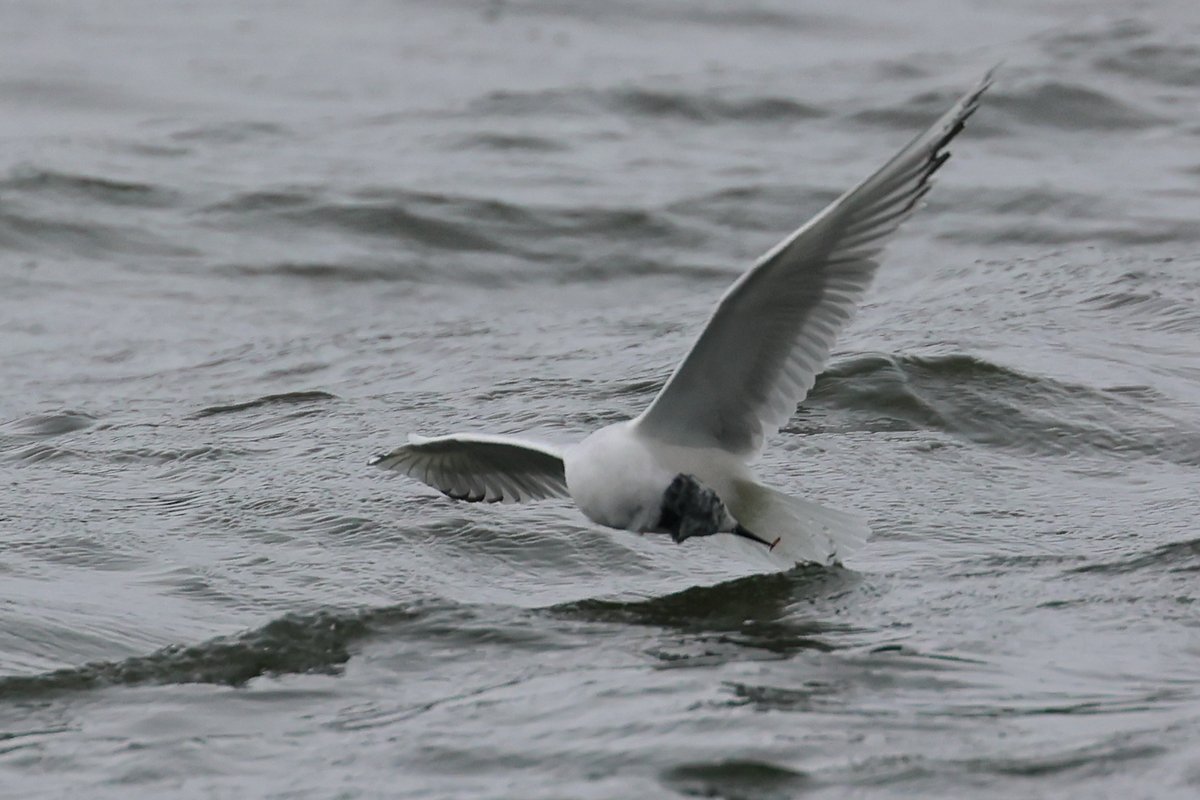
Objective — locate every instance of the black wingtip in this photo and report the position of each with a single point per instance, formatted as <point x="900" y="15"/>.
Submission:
<point x="938" y="154"/>
<point x="938" y="160"/>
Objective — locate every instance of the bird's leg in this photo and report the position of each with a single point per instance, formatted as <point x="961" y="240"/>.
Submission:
<point x="690" y="508"/>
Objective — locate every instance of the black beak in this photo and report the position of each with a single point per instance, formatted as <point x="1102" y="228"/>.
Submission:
<point x="754" y="537"/>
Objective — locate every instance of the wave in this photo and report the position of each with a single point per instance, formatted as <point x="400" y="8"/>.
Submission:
<point x="1029" y="201"/>
<point x="1151" y="310"/>
<point x="232" y="133"/>
<point x="1173" y="306"/>
<point x="757" y="608"/>
<point x="622" y="12"/>
<point x="287" y="398"/>
<point x="1071" y="106"/>
<point x="1174" y="557"/>
<point x="647" y="103"/>
<point x="1166" y="64"/>
<point x="69" y="93"/>
<point x="1134" y="49"/>
<point x="317" y="642"/>
<point x="1050" y="216"/>
<point x="1096" y="760"/>
<point x="1042" y="232"/>
<point x="32" y="181"/>
<point x="51" y="212"/>
<point x="418" y="220"/>
<point x="27" y="436"/>
<point x="44" y="425"/>
<point x="393" y="221"/>
<point x="505" y="142"/>
<point x="1046" y="104"/>
<point x="775" y="209"/>
<point x="267" y="200"/>
<point x="984" y="403"/>
<point x="294" y="643"/>
<point x="565" y="237"/>
<point x="737" y="778"/>
<point x="36" y="453"/>
<point x="919" y="110"/>
<point x="199" y="453"/>
<point x="51" y="235"/>
<point x="349" y="271"/>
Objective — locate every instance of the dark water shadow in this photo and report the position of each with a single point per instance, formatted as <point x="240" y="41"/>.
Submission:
<point x="1183" y="556"/>
<point x="319" y="642"/>
<point x="287" y="398"/>
<point x="756" y="615"/>
<point x="736" y="778"/>
<point x="762" y="613"/>
<point x="986" y="403"/>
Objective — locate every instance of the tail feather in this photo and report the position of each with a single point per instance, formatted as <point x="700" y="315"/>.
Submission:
<point x="807" y="531"/>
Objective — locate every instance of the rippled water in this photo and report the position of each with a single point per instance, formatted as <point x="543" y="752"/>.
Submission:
<point x="243" y="248"/>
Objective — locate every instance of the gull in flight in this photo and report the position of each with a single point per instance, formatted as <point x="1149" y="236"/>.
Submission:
<point x="683" y="467"/>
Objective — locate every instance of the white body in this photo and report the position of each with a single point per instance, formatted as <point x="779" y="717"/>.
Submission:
<point x="617" y="476"/>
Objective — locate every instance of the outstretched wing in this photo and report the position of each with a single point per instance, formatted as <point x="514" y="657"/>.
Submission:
<point x="493" y="469"/>
<point x="772" y="330"/>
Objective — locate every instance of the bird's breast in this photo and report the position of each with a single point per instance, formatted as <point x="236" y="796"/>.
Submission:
<point x="616" y="480"/>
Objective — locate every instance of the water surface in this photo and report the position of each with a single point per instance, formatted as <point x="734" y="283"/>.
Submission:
<point x="243" y="248"/>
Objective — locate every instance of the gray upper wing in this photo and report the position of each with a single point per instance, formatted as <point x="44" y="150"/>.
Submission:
<point x="773" y="329"/>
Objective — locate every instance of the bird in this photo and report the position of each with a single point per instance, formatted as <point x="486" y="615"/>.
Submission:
<point x="684" y="466"/>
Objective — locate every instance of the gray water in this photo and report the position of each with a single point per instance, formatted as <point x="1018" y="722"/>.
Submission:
<point x="244" y="247"/>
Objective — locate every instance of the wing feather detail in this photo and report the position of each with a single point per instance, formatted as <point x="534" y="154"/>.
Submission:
<point x="772" y="331"/>
<point x="480" y="468"/>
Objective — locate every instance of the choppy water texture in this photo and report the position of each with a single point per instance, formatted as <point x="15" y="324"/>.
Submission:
<point x="243" y="247"/>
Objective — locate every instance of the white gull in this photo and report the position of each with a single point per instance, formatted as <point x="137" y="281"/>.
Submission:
<point x="683" y="466"/>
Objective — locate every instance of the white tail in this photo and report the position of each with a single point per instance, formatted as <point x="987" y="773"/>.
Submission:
<point x="807" y="532"/>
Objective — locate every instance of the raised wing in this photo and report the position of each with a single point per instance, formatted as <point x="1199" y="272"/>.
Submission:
<point x="493" y="469"/>
<point x="772" y="330"/>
